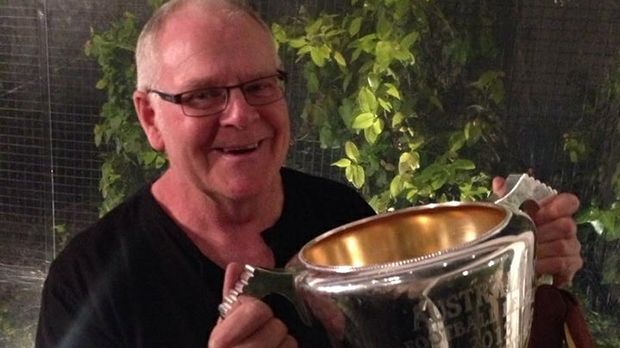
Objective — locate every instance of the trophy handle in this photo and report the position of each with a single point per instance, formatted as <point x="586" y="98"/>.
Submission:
<point x="259" y="282"/>
<point x="522" y="188"/>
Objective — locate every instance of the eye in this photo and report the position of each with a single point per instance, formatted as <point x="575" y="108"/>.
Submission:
<point x="262" y="88"/>
<point x="202" y="97"/>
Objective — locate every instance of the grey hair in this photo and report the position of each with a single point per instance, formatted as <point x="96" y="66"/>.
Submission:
<point x="146" y="47"/>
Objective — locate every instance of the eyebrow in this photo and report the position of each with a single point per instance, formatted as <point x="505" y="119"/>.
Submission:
<point x="198" y="83"/>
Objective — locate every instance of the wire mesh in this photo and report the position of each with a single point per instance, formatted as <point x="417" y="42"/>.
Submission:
<point x="50" y="167"/>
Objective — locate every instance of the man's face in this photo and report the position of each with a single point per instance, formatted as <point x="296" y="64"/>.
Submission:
<point x="236" y="153"/>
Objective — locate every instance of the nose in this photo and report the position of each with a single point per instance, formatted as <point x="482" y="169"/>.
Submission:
<point x="238" y="113"/>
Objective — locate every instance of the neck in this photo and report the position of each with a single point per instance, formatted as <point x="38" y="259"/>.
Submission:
<point x="211" y="216"/>
<point x="225" y="230"/>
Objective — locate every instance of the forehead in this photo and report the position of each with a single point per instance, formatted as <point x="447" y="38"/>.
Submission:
<point x="219" y="46"/>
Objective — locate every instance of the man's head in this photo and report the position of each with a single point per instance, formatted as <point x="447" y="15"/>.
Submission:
<point x="147" y="46"/>
<point x="233" y="151"/>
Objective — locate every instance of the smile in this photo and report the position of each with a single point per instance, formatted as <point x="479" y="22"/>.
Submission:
<point x="238" y="150"/>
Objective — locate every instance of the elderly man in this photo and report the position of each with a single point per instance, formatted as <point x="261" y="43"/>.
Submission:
<point x="150" y="273"/>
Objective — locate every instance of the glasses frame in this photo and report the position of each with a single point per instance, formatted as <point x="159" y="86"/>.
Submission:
<point x="178" y="98"/>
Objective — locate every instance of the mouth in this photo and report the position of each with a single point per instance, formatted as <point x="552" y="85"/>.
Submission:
<point x="239" y="150"/>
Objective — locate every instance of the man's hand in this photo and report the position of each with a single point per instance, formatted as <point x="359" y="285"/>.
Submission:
<point x="249" y="323"/>
<point x="557" y="246"/>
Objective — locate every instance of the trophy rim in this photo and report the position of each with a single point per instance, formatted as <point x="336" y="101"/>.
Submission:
<point x="423" y="259"/>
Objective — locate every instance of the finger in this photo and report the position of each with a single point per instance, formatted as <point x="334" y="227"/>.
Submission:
<point x="499" y="186"/>
<point x="231" y="276"/>
<point x="289" y="342"/>
<point x="558" y="248"/>
<point x="245" y="317"/>
<point x="563" y="269"/>
<point x="273" y="334"/>
<point x="564" y="204"/>
<point x="561" y="228"/>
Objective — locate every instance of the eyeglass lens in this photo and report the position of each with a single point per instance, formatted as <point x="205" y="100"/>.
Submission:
<point x="215" y="99"/>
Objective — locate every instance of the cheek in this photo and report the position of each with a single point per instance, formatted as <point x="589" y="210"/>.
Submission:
<point x="187" y="134"/>
<point x="280" y="121"/>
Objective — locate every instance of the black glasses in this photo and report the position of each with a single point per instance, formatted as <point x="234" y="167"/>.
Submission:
<point x="212" y="100"/>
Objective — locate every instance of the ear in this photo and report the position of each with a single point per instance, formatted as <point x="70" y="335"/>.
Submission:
<point x="146" y="116"/>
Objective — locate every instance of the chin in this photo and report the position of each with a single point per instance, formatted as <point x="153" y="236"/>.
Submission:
<point x="249" y="186"/>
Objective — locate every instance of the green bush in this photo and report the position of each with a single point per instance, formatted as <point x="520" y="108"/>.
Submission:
<point x="412" y="93"/>
<point x="410" y="90"/>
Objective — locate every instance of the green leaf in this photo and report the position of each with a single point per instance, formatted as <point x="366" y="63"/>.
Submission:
<point x="392" y="90"/>
<point x="497" y="92"/>
<point x="98" y="134"/>
<point x="457" y="141"/>
<point x="378" y="126"/>
<point x="363" y="120"/>
<point x="314" y="27"/>
<point x="463" y="164"/>
<point x="326" y="136"/>
<point x="367" y="100"/>
<point x="102" y="84"/>
<point x="319" y="55"/>
<point x="472" y="131"/>
<point x="409" y="40"/>
<point x="397" y="119"/>
<point x="339" y="59"/>
<point x="358" y="176"/>
<point x="342" y="163"/>
<point x="355" y="26"/>
<point x="384" y="27"/>
<point x="367" y="43"/>
<point x="347" y="81"/>
<point x="439" y="178"/>
<point x="384" y="52"/>
<point x="436" y="102"/>
<point x="373" y="81"/>
<point x="279" y="34"/>
<point x="385" y="105"/>
<point x="298" y="43"/>
<point x="396" y="186"/>
<point x="371" y="135"/>
<point x="408" y="162"/>
<point x="312" y="81"/>
<point x="161" y="161"/>
<point x="149" y="157"/>
<point x="345" y="110"/>
<point x="351" y="150"/>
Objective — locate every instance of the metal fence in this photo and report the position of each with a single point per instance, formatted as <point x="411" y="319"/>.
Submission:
<point x="50" y="167"/>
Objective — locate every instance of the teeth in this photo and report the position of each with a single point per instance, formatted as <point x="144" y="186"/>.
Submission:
<point x="240" y="148"/>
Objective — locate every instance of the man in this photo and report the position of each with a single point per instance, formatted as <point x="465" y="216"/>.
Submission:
<point x="150" y="273"/>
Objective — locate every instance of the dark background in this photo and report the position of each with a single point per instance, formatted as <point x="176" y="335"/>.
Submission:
<point x="50" y="167"/>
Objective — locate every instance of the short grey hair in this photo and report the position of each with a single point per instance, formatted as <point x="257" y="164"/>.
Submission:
<point x="146" y="47"/>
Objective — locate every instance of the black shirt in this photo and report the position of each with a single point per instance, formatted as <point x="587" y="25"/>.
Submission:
<point x="134" y="279"/>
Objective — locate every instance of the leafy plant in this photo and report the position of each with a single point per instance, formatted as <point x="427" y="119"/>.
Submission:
<point x="599" y="281"/>
<point x="412" y="93"/>
<point x="128" y="160"/>
<point x="398" y="85"/>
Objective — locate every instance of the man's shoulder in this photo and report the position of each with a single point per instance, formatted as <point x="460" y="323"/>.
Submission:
<point x="103" y="238"/>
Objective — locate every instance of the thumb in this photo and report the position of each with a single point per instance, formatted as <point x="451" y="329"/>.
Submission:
<point x="499" y="186"/>
<point x="231" y="276"/>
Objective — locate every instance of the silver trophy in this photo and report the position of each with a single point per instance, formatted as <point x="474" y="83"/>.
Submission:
<point x="441" y="275"/>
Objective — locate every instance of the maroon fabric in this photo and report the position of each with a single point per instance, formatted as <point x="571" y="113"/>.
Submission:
<point x="553" y="308"/>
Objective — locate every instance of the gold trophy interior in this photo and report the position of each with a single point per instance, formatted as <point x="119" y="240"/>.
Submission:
<point x="405" y="235"/>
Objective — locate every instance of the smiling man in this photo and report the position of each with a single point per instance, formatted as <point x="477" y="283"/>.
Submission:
<point x="150" y="273"/>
